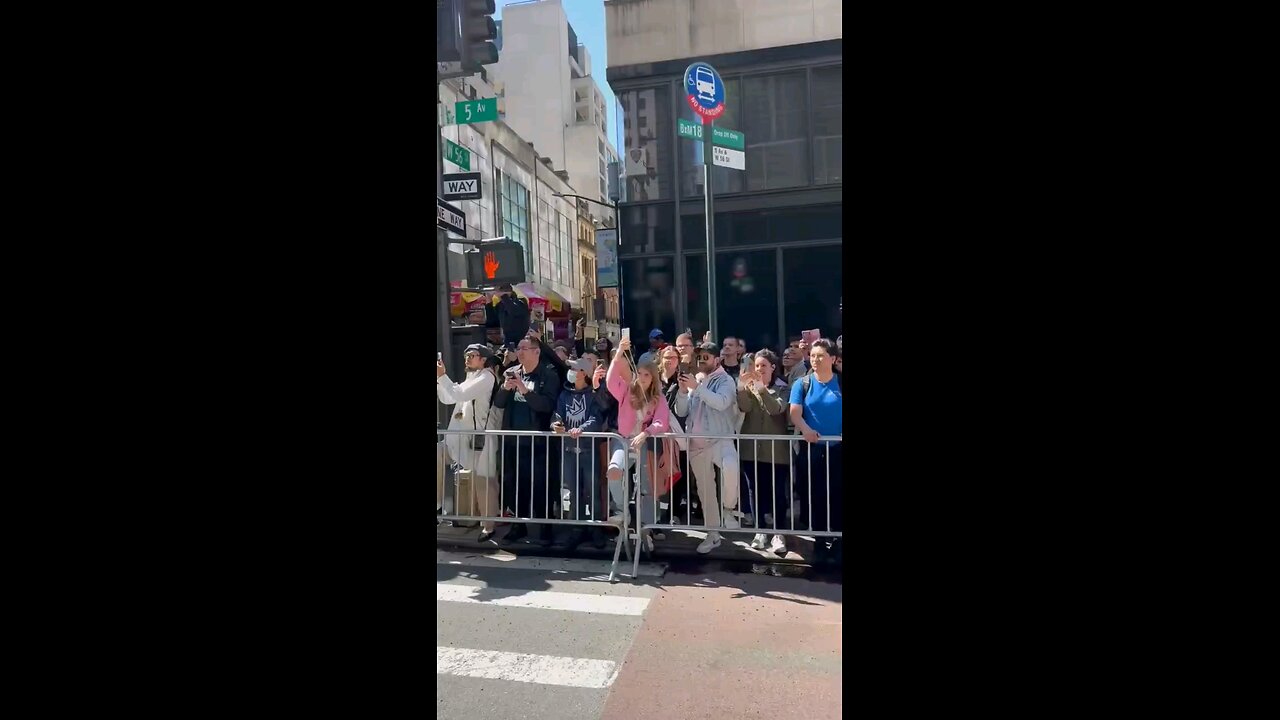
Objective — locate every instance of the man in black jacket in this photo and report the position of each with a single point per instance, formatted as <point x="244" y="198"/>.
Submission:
<point x="513" y="315"/>
<point x="528" y="396"/>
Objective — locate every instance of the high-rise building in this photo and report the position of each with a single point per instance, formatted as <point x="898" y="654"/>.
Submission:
<point x="778" y="232"/>
<point x="552" y="98"/>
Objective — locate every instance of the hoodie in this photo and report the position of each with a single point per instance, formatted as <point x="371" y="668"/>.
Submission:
<point x="579" y="409"/>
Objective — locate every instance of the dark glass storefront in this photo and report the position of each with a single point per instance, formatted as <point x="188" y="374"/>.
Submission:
<point x="779" y="236"/>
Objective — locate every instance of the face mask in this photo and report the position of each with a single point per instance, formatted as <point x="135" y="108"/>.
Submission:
<point x="573" y="376"/>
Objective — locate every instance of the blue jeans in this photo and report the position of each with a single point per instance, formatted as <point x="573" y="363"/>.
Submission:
<point x="578" y="478"/>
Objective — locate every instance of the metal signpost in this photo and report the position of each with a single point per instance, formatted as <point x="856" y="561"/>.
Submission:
<point x="704" y="91"/>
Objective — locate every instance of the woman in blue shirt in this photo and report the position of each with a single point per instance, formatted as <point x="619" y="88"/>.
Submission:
<point x="817" y="406"/>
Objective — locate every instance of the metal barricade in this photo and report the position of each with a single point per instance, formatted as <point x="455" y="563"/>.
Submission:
<point x="787" y="480"/>
<point x="520" y="488"/>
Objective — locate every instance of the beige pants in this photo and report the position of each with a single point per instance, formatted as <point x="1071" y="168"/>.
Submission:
<point x="476" y="495"/>
<point x="722" y="454"/>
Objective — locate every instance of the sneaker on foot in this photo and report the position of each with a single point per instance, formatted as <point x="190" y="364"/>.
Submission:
<point x="615" y="519"/>
<point x="779" y="546"/>
<point x="757" y="542"/>
<point x="711" y="543"/>
<point x="731" y="522"/>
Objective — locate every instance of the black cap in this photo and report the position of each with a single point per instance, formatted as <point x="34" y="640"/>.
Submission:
<point x="708" y="347"/>
<point x="481" y="350"/>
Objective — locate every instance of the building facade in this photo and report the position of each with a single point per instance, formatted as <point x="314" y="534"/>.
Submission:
<point x="551" y="96"/>
<point x="518" y="195"/>
<point x="778" y="230"/>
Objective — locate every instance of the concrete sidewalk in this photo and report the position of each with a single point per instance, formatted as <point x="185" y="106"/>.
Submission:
<point x="734" y="545"/>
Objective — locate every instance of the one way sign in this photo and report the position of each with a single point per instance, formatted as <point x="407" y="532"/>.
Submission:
<point x="462" y="186"/>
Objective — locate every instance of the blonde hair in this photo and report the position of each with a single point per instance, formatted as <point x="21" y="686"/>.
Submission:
<point x="641" y="398"/>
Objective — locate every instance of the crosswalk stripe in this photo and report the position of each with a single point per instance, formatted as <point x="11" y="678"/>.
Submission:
<point x="502" y="559"/>
<point x="520" y="667"/>
<point x="544" y="600"/>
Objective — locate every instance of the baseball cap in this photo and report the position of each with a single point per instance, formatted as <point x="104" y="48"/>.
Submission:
<point x="481" y="350"/>
<point x="708" y="347"/>
<point x="582" y="365"/>
<point x="655" y="334"/>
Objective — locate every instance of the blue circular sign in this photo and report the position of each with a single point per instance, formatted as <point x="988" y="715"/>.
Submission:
<point x="704" y="90"/>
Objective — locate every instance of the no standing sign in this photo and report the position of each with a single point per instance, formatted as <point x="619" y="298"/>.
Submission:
<point x="704" y="91"/>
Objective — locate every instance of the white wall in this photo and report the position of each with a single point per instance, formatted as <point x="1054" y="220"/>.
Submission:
<point x="645" y="31"/>
<point x="534" y="66"/>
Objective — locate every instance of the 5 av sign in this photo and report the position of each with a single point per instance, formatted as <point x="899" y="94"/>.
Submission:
<point x="462" y="186"/>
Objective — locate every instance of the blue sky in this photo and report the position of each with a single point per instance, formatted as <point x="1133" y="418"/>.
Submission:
<point x="587" y="19"/>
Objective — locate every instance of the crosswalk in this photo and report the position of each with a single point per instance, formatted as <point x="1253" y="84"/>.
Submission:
<point x="520" y="637"/>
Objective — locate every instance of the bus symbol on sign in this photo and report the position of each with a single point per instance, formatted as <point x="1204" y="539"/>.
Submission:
<point x="706" y="83"/>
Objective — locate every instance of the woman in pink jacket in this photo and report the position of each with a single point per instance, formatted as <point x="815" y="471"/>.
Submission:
<point x="642" y="414"/>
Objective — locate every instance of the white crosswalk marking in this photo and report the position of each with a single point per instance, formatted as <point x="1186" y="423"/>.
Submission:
<point x="535" y="637"/>
<point x="544" y="600"/>
<point x="522" y="667"/>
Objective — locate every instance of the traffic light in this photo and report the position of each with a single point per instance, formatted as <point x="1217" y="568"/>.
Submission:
<point x="478" y="33"/>
<point x="446" y="31"/>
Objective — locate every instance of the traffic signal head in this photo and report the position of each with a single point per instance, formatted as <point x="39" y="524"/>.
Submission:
<point x="478" y="33"/>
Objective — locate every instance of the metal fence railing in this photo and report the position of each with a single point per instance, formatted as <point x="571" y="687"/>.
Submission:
<point x="802" y="485"/>
<point x="530" y="477"/>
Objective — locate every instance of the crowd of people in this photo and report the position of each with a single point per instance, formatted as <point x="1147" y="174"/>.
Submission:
<point x="660" y="403"/>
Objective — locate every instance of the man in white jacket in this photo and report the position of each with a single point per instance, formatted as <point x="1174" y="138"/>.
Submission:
<point x="472" y="412"/>
<point x="710" y="401"/>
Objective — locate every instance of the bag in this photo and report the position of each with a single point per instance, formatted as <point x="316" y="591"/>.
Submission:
<point x="477" y="441"/>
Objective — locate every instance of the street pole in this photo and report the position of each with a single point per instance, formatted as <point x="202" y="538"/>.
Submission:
<point x="711" y="230"/>
<point x="443" y="326"/>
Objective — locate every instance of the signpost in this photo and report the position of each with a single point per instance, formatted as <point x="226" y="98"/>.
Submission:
<point x="724" y="157"/>
<point x="474" y="111"/>
<point x="456" y="154"/>
<point x="719" y="136"/>
<point x="461" y="186"/>
<point x="704" y="91"/>
<point x="450" y="218"/>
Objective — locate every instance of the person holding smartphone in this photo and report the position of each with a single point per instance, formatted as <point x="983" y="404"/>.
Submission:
<point x="471" y="401"/>
<point x="577" y="412"/>
<point x="528" y="397"/>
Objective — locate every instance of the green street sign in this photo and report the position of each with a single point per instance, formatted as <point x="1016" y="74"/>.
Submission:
<point x="728" y="138"/>
<point x="475" y="111"/>
<point x="719" y="136"/>
<point x="457" y="154"/>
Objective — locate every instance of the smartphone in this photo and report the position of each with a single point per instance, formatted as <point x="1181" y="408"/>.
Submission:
<point x="810" y="336"/>
<point x="439" y="356"/>
<point x="512" y="371"/>
<point x="626" y="333"/>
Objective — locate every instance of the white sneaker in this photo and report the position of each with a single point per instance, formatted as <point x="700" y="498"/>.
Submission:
<point x="778" y="546"/>
<point x="711" y="543"/>
<point x="615" y="519"/>
<point x="731" y="522"/>
<point x="757" y="542"/>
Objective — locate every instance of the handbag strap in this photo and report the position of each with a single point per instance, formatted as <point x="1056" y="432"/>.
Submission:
<point x="486" y="415"/>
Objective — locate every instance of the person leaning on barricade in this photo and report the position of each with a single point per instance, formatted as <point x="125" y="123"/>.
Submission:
<point x="817" y="404"/>
<point x="642" y="414"/>
<point x="528" y="396"/>
<point x="766" y="480"/>
<point x="577" y="412"/>
<point x="677" y="467"/>
<point x="709" y="400"/>
<point x="473" y="455"/>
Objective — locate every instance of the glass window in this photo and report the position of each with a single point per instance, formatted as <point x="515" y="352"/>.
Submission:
<point x="827" y="116"/>
<point x="648" y="142"/>
<point x="813" y="290"/>
<point x="648" y="286"/>
<point x="723" y="179"/>
<point x="774" y="122"/>
<point x="647" y="229"/>
<point x="765" y="227"/>
<point x="514" y="210"/>
<point x="747" y="297"/>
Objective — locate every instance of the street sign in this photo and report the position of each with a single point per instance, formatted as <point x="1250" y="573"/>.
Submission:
<point x="457" y="154"/>
<point x="495" y="264"/>
<point x="719" y="136"/>
<point x="704" y="90"/>
<point x="462" y="186"/>
<point x="474" y="111"/>
<point x="449" y="217"/>
<point x="724" y="157"/>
